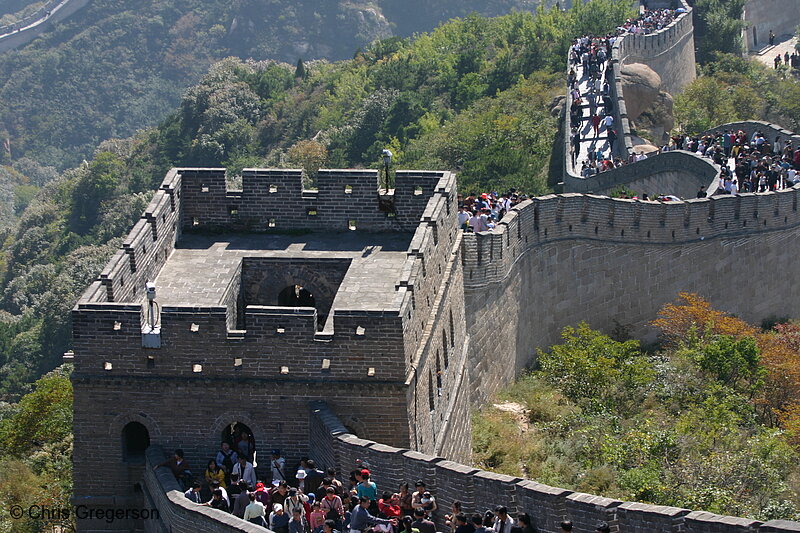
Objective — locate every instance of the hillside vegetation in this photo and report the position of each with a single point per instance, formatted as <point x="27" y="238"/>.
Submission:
<point x="472" y="96"/>
<point x="116" y="67"/>
<point x="708" y="419"/>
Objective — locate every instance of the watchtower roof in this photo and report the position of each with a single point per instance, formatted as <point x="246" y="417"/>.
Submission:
<point x="202" y="267"/>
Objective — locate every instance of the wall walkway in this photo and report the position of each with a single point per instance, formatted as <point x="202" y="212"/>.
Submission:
<point x="669" y="52"/>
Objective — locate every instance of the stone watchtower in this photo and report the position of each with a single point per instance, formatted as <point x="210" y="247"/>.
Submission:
<point x="268" y="298"/>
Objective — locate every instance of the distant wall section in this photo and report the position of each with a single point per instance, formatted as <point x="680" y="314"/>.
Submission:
<point x="558" y="260"/>
<point x="669" y="52"/>
<point x="780" y="16"/>
<point x="38" y="23"/>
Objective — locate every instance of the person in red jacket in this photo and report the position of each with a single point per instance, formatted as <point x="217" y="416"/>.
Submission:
<point x="389" y="505"/>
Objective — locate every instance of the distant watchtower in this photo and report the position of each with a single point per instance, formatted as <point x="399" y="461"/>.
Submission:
<point x="265" y="299"/>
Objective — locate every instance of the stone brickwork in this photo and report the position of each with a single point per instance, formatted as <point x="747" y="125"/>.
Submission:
<point x="608" y="261"/>
<point x="669" y="51"/>
<point x="401" y="362"/>
<point x="769" y="130"/>
<point x="275" y="199"/>
<point x="332" y="446"/>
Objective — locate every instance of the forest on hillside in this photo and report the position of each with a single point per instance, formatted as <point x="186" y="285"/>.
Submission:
<point x="706" y="419"/>
<point x="117" y="67"/>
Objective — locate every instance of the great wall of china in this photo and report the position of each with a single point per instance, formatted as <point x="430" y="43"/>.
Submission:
<point x="24" y="31"/>
<point x="408" y="315"/>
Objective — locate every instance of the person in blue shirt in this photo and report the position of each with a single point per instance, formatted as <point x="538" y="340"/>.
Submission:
<point x="368" y="489"/>
<point x="360" y="518"/>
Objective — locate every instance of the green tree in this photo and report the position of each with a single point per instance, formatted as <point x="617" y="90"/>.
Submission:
<point x="300" y="70"/>
<point x="98" y="184"/>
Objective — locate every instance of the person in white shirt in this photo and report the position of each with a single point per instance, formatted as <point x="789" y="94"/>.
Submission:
<point x="475" y="222"/>
<point x="278" y="465"/>
<point x="463" y="217"/>
<point x="245" y="471"/>
<point x="502" y="523"/>
<point x="254" y="512"/>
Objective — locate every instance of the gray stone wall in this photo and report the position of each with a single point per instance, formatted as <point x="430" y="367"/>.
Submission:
<point x="479" y="490"/>
<point x="332" y="446"/>
<point x="761" y="16"/>
<point x="274" y="199"/>
<point x="581" y="257"/>
<point x="769" y="130"/>
<point x="382" y="364"/>
<point x="669" y="52"/>
<point x="677" y="172"/>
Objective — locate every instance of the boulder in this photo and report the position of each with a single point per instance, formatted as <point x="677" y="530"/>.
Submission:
<point x="641" y="86"/>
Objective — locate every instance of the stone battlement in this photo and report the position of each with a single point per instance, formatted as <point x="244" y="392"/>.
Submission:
<point x="332" y="445"/>
<point x="276" y="199"/>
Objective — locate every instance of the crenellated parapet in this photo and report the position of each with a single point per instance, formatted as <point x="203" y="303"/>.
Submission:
<point x="489" y="256"/>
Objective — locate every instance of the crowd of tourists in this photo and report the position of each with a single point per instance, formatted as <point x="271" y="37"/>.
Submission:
<point x="588" y="64"/>
<point x="306" y="499"/>
<point x="749" y="163"/>
<point x="482" y="212"/>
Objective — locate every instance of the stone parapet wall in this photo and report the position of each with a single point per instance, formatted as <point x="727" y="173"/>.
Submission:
<point x="176" y="513"/>
<point x="479" y="490"/>
<point x="749" y="127"/>
<point x="144" y="250"/>
<point x="274" y="199"/>
<point x="676" y="172"/>
<point x="669" y="51"/>
<point x="613" y="262"/>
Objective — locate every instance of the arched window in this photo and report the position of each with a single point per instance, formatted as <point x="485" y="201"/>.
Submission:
<point x="135" y="440"/>
<point x="295" y="296"/>
<point x="240" y="438"/>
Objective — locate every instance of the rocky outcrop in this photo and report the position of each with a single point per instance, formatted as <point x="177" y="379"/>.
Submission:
<point x="648" y="106"/>
<point x="641" y="86"/>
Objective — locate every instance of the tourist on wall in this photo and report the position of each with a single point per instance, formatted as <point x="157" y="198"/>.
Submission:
<point x="278" y="519"/>
<point x="244" y="469"/>
<point x="226" y="458"/>
<point x="214" y="473"/>
<point x="179" y="467"/>
<point x="421" y="523"/>
<point x="361" y="518"/>
<point x="242" y="500"/>
<point x="254" y="512"/>
<point x="503" y="523"/>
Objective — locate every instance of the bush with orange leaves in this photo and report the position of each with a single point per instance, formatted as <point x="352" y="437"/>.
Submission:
<point x="778" y="403"/>
<point x="693" y="315"/>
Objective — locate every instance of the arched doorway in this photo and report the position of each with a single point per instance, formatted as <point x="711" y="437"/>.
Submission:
<point x="296" y="296"/>
<point x="135" y="440"/>
<point x="240" y="438"/>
